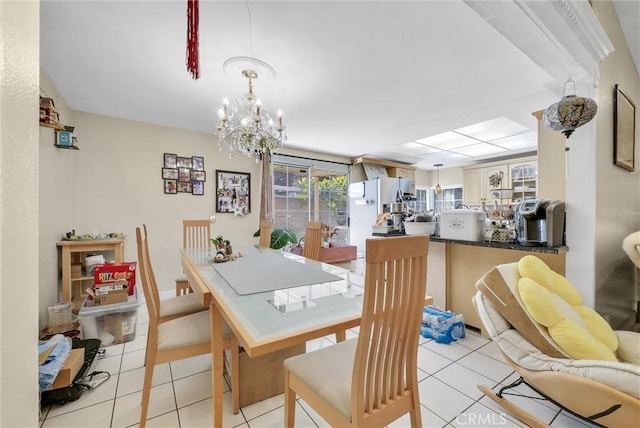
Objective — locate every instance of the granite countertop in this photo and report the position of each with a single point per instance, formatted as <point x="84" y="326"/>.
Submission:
<point x="503" y="245"/>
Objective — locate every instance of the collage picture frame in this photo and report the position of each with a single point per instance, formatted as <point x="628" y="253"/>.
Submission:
<point x="183" y="174"/>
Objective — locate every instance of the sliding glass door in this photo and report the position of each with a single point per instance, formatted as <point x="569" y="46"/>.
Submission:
<point x="308" y="190"/>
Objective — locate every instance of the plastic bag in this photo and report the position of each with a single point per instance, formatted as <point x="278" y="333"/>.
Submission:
<point x="50" y="368"/>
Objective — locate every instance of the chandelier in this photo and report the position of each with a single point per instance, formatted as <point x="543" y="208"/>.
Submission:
<point x="570" y="112"/>
<point x="246" y="125"/>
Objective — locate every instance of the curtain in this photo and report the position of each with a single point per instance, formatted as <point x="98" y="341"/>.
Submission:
<point x="266" y="196"/>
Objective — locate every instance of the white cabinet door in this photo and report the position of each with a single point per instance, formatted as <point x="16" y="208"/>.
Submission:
<point x="524" y="179"/>
<point x="473" y="187"/>
<point x="496" y="177"/>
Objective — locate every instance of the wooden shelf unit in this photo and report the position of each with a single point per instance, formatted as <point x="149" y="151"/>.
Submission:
<point x="74" y="252"/>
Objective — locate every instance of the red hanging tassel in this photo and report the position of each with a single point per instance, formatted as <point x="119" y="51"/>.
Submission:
<point x="193" y="18"/>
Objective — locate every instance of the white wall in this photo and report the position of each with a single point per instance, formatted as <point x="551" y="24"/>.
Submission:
<point x="617" y="207"/>
<point x="56" y="190"/>
<point x="19" y="49"/>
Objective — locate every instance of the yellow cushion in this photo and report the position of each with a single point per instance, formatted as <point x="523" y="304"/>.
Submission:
<point x="554" y="303"/>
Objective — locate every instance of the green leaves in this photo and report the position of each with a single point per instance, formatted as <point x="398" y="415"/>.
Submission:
<point x="281" y="237"/>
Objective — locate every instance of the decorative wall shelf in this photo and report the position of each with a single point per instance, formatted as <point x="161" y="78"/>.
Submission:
<point x="50" y="125"/>
<point x="67" y="147"/>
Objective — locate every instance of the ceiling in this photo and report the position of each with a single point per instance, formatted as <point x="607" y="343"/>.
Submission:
<point x="352" y="78"/>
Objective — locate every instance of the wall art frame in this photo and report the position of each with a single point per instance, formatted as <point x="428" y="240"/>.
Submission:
<point x="170" y="160"/>
<point x="181" y="173"/>
<point x="624" y="131"/>
<point x="233" y="192"/>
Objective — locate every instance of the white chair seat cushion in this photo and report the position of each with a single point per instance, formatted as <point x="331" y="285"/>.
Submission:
<point x="180" y="305"/>
<point x="187" y="330"/>
<point x="182" y="277"/>
<point x="328" y="371"/>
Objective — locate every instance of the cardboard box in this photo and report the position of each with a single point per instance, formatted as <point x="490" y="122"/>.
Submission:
<point x="69" y="369"/>
<point x="115" y="296"/>
<point x="112" y="272"/>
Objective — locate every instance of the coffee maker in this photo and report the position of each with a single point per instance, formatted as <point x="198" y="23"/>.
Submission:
<point x="540" y="222"/>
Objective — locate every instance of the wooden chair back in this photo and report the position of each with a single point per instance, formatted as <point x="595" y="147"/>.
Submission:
<point x="312" y="240"/>
<point x="384" y="380"/>
<point x="265" y="233"/>
<point x="147" y="278"/>
<point x="196" y="233"/>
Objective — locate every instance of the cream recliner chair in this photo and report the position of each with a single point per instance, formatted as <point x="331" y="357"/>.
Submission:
<point x="562" y="349"/>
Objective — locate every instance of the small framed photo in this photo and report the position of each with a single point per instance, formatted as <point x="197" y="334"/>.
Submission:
<point x="170" y="187"/>
<point x="170" y="160"/>
<point x="170" y="173"/>
<point x="624" y="131"/>
<point x="184" y="187"/>
<point x="198" y="175"/>
<point x="197" y="163"/>
<point x="184" y="162"/>
<point x="198" y="188"/>
<point x="232" y="192"/>
<point x="184" y="174"/>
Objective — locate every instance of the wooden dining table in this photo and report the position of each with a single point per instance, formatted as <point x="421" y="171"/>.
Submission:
<point x="268" y="318"/>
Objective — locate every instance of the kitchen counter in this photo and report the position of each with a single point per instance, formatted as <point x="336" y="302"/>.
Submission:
<point x="455" y="266"/>
<point x="487" y="244"/>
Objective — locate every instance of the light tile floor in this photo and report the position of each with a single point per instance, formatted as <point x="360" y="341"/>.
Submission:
<point x="181" y="395"/>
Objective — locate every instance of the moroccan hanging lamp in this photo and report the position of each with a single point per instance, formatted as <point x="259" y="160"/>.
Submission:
<point x="570" y="112"/>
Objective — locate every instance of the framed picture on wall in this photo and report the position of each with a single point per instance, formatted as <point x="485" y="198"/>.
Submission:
<point x="184" y="186"/>
<point x="197" y="163"/>
<point x="184" y="162"/>
<point x="198" y="175"/>
<point x="198" y="188"/>
<point x="170" y="173"/>
<point x="170" y="160"/>
<point x="233" y="191"/>
<point x="624" y="134"/>
<point x="184" y="174"/>
<point x="170" y="187"/>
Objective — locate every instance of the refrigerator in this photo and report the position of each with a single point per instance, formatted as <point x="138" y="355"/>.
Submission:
<point x="369" y="198"/>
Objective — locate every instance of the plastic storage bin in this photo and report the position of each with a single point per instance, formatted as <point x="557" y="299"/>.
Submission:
<point x="112" y="324"/>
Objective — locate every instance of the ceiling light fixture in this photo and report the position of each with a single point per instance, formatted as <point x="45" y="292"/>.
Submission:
<point x="438" y="188"/>
<point x="570" y="112"/>
<point x="246" y="126"/>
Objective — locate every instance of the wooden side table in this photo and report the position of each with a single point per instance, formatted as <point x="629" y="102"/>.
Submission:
<point x="74" y="252"/>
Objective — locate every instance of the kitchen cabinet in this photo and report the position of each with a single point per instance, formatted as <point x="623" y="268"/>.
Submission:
<point x="74" y="252"/>
<point x="524" y="177"/>
<point x="479" y="182"/>
<point x="473" y="193"/>
<point x="407" y="173"/>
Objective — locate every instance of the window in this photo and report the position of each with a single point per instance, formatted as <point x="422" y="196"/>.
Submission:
<point x="310" y="190"/>
<point x="451" y="198"/>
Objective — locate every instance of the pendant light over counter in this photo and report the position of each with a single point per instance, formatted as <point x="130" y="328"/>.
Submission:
<point x="438" y="188"/>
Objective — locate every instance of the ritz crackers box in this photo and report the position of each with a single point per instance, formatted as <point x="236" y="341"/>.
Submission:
<point x="111" y="272"/>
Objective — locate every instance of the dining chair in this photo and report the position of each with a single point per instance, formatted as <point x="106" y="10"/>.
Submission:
<point x="312" y="240"/>
<point x="172" y="307"/>
<point x="265" y="233"/>
<point x="371" y="380"/>
<point x="179" y="338"/>
<point x="195" y="234"/>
